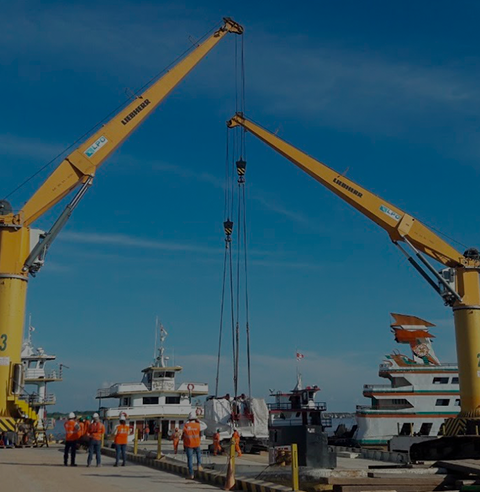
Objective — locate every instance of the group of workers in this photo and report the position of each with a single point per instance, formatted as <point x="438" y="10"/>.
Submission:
<point x="78" y="430"/>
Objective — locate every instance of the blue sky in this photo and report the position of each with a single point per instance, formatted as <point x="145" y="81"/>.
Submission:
<point x="388" y="91"/>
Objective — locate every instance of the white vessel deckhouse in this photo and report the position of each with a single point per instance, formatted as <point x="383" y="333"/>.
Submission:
<point x="421" y="394"/>
<point x="155" y="402"/>
<point x="36" y="377"/>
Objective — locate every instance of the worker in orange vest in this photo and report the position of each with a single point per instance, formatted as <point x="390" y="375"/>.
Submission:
<point x="191" y="441"/>
<point x="72" y="435"/>
<point x="176" y="439"/>
<point x="236" y="438"/>
<point x="217" y="448"/>
<point x="121" y="439"/>
<point x="95" y="432"/>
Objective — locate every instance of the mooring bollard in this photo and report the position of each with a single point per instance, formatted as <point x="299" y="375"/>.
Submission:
<point x="295" y="482"/>
<point x="159" y="445"/>
<point x="135" y="442"/>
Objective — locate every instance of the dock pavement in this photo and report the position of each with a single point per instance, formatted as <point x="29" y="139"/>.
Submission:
<point x="42" y="470"/>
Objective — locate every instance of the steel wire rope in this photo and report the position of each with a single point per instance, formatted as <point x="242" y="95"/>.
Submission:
<point x="247" y="314"/>
<point x="221" y="321"/>
<point x="232" y="309"/>
<point x="244" y="210"/>
<point x="114" y="111"/>
<point x="237" y="324"/>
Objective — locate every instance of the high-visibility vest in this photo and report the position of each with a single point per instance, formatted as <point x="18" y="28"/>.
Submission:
<point x="121" y="435"/>
<point x="72" y="430"/>
<point x="96" y="430"/>
<point x="236" y="437"/>
<point x="191" y="434"/>
<point x="216" y="437"/>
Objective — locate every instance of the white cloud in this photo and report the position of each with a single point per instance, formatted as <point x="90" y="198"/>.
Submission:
<point x="124" y="240"/>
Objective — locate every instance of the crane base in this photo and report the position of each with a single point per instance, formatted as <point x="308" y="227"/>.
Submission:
<point x="446" y="448"/>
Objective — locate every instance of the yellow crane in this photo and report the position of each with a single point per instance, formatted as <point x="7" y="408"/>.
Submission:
<point x="22" y="249"/>
<point x="458" y="283"/>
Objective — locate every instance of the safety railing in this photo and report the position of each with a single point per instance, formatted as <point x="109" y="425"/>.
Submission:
<point x="35" y="399"/>
<point x="289" y="407"/>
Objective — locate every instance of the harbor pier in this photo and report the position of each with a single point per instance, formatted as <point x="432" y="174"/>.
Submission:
<point x="42" y="470"/>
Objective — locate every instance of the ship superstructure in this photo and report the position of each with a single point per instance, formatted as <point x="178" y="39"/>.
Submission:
<point x="297" y="407"/>
<point x="422" y="392"/>
<point x="38" y="374"/>
<point x="155" y="402"/>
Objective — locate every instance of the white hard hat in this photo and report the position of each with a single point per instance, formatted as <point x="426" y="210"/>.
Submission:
<point x="192" y="415"/>
<point x="71" y="415"/>
<point x="96" y="416"/>
<point x="123" y="418"/>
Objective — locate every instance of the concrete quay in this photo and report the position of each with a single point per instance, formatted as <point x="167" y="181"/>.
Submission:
<point x="42" y="470"/>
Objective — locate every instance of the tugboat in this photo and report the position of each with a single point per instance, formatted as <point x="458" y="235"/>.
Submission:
<point x="295" y="417"/>
<point x="155" y="403"/>
<point x="298" y="407"/>
<point x="422" y="392"/>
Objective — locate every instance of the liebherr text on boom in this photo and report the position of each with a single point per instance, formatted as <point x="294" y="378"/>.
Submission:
<point x="18" y="257"/>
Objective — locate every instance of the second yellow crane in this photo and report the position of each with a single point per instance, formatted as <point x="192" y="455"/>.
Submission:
<point x="458" y="284"/>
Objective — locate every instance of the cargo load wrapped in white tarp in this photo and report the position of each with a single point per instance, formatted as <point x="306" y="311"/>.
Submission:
<point x="248" y="415"/>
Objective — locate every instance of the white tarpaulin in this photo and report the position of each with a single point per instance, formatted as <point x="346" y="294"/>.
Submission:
<point x="251" y="417"/>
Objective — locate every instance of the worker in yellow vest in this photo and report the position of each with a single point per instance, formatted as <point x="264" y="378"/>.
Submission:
<point x="191" y="442"/>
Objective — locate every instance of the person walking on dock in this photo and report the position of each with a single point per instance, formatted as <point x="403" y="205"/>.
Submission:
<point x="176" y="439"/>
<point x="191" y="441"/>
<point x="121" y="438"/>
<point x="217" y="448"/>
<point x="95" y="432"/>
<point x="236" y="438"/>
<point x="72" y="434"/>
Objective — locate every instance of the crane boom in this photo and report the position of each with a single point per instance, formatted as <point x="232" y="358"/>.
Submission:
<point x="464" y="297"/>
<point x="398" y="224"/>
<point x="20" y="256"/>
<point x="84" y="161"/>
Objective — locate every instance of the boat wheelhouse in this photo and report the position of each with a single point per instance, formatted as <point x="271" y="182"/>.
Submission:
<point x="422" y="392"/>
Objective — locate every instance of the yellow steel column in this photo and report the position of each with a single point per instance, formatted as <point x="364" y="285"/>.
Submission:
<point x="159" y="444"/>
<point x="467" y="333"/>
<point x="14" y="248"/>
<point x="135" y="442"/>
<point x="295" y="481"/>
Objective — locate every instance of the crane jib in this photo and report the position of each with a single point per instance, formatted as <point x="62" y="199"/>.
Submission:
<point x="137" y="110"/>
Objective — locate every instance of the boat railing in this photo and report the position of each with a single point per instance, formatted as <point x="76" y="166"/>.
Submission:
<point x="42" y="374"/>
<point x="35" y="398"/>
<point x="120" y="388"/>
<point x="287" y="406"/>
<point x="404" y="406"/>
<point x="387" y="388"/>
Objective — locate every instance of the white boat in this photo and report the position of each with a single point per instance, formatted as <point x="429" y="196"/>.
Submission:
<point x="422" y="392"/>
<point x="154" y="402"/>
